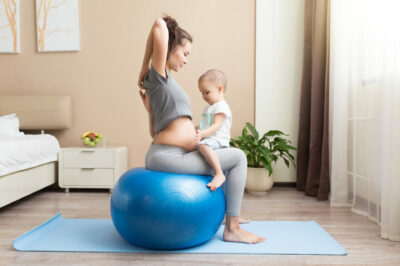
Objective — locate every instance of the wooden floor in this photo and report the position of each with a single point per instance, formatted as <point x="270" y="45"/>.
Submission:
<point x="358" y="235"/>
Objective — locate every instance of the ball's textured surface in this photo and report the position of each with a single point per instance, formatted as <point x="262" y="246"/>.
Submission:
<point x="159" y="210"/>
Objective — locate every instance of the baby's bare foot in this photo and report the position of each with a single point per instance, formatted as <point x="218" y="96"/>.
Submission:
<point x="242" y="236"/>
<point x="217" y="181"/>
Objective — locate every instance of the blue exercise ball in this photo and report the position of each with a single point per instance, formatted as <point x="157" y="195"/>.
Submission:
<point x="166" y="211"/>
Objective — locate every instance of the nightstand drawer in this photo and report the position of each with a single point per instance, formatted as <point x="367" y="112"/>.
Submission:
<point x="88" y="177"/>
<point x="88" y="158"/>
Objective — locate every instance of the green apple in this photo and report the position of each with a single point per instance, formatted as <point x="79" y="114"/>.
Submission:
<point x="86" y="140"/>
<point x="92" y="144"/>
<point x="100" y="136"/>
<point x="97" y="140"/>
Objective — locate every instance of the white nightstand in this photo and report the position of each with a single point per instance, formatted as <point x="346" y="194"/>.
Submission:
<point x="80" y="167"/>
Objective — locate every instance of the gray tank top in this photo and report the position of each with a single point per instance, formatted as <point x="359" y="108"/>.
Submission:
<point x="168" y="100"/>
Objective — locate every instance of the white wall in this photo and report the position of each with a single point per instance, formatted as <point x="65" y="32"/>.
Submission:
<point x="279" y="61"/>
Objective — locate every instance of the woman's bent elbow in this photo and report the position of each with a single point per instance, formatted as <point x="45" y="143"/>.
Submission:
<point x="160" y="23"/>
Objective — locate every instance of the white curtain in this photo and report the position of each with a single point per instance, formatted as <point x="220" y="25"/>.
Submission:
<point x="365" y="110"/>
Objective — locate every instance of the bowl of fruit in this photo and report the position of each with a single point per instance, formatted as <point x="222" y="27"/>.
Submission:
<point x="91" y="138"/>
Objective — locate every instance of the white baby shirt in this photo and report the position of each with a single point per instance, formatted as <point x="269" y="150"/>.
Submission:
<point x="223" y="134"/>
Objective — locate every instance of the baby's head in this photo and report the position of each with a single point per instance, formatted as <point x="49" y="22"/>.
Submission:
<point x="212" y="85"/>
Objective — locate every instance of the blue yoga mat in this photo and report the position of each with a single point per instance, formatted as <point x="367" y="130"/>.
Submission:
<point x="99" y="235"/>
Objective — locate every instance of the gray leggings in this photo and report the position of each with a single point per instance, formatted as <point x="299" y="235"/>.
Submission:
<point x="233" y="162"/>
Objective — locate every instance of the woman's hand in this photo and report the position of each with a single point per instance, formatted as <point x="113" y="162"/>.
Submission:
<point x="145" y="100"/>
<point x="143" y="73"/>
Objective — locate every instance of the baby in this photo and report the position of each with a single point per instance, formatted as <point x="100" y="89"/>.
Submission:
<point x="215" y="124"/>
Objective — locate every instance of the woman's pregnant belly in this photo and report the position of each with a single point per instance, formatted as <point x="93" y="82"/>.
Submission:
<point x="180" y="133"/>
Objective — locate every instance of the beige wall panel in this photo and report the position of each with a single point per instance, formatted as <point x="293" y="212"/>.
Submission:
<point x="101" y="78"/>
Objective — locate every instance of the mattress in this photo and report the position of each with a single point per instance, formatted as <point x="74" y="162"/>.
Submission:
<point x="22" y="152"/>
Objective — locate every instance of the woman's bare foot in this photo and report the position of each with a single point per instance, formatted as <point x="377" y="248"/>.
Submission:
<point x="242" y="236"/>
<point x="217" y="181"/>
<point x="241" y="220"/>
<point x="234" y="233"/>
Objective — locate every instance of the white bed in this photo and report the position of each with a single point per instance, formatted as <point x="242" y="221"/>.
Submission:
<point x="28" y="163"/>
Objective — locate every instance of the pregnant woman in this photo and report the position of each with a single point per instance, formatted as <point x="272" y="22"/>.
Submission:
<point x="170" y="120"/>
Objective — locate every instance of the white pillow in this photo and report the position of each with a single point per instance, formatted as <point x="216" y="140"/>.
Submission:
<point x="9" y="125"/>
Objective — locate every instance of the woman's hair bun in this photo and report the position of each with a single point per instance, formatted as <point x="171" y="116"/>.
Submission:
<point x="176" y="35"/>
<point x="172" y="25"/>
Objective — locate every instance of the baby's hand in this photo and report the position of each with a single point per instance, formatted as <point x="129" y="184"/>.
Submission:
<point x="198" y="136"/>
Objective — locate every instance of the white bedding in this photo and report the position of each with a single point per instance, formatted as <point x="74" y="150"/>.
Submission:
<point x="21" y="152"/>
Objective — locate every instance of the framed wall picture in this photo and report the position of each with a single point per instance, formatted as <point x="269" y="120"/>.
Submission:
<point x="9" y="26"/>
<point x="57" y="23"/>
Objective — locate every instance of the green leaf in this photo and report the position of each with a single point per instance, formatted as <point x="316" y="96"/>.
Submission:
<point x="244" y="148"/>
<point x="253" y="130"/>
<point x="244" y="132"/>
<point x="267" y="166"/>
<point x="233" y="143"/>
<point x="291" y="156"/>
<point x="266" y="154"/>
<point x="252" y="141"/>
<point x="286" y="162"/>
<point x="262" y="141"/>
<point x="291" y="147"/>
<point x="274" y="133"/>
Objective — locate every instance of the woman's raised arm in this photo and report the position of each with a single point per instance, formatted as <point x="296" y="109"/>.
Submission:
<point x="160" y="46"/>
<point x="156" y="50"/>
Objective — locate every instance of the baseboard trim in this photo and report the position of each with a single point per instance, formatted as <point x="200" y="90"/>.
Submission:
<point x="284" y="184"/>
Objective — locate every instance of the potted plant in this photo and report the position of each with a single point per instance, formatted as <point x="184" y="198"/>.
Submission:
<point x="262" y="154"/>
